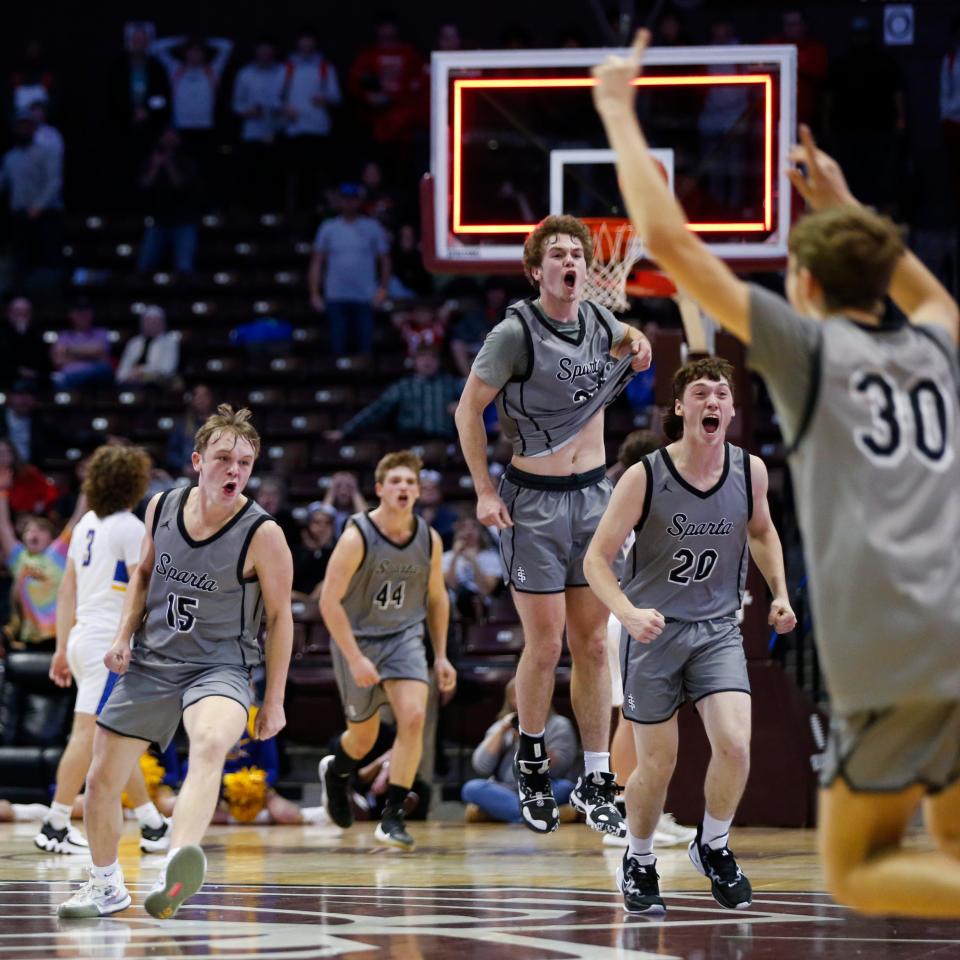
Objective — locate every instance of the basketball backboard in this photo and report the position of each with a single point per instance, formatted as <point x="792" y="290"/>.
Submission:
<point x="515" y="137"/>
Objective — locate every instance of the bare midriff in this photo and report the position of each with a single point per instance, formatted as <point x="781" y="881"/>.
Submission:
<point x="583" y="453"/>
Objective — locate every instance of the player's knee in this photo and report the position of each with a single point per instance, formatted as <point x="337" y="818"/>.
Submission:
<point x="734" y="751"/>
<point x="545" y="653"/>
<point x="207" y="748"/>
<point x="658" y="761"/>
<point x="414" y="718"/>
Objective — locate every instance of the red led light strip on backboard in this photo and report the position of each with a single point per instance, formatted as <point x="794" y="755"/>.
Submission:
<point x="571" y="82"/>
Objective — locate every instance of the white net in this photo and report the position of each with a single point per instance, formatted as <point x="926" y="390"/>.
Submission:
<point x="616" y="248"/>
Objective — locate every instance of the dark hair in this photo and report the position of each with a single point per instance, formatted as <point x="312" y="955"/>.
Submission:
<point x="851" y="252"/>
<point x="117" y="478"/>
<point x="550" y="227"/>
<point x="636" y="445"/>
<point x="709" y="368"/>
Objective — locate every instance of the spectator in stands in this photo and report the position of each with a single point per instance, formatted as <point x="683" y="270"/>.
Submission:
<point x="173" y="197"/>
<point x="495" y="796"/>
<point x="151" y="357"/>
<point x="378" y="201"/>
<point x="31" y="80"/>
<point x="312" y="553"/>
<point x="195" y="67"/>
<point x="418" y="407"/>
<point x="471" y="569"/>
<point x="200" y="405"/>
<point x="34" y="437"/>
<point x="950" y="108"/>
<point x="32" y="174"/>
<point x="866" y="116"/>
<point x="636" y="445"/>
<point x="811" y="66"/>
<point x="640" y="390"/>
<point x="351" y="264"/>
<point x="81" y="355"/>
<point x="409" y="279"/>
<point x="471" y="329"/>
<point x="272" y="496"/>
<point x="311" y="89"/>
<point x="345" y="497"/>
<point x="258" y="95"/>
<point x="422" y="327"/>
<point x="385" y="79"/>
<point x="28" y="490"/>
<point x="139" y="103"/>
<point x="36" y="563"/>
<point x="431" y="507"/>
<point x="24" y="355"/>
<point x="46" y="135"/>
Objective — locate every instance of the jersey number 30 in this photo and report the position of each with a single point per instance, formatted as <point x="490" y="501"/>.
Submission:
<point x="180" y="615"/>
<point x="389" y="595"/>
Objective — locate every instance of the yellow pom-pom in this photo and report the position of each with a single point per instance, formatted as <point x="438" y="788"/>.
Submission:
<point x="245" y="792"/>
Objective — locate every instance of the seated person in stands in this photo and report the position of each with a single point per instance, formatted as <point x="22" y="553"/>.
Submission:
<point x="36" y="564"/>
<point x="272" y="496"/>
<point x="431" y="507"/>
<point x="345" y="497"/>
<point x="200" y="405"/>
<point x="495" y="798"/>
<point x="422" y="326"/>
<point x="81" y="355"/>
<point x="471" y="569"/>
<point x="312" y="553"/>
<point x="151" y="357"/>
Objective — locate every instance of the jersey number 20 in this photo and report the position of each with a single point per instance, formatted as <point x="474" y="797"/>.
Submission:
<point x="702" y="566"/>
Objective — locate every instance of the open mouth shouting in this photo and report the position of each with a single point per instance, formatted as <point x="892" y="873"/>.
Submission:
<point x="403" y="499"/>
<point x="711" y="424"/>
<point x="570" y="280"/>
<point x="230" y="488"/>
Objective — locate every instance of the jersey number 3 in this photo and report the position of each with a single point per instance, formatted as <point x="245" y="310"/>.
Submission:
<point x="180" y="615"/>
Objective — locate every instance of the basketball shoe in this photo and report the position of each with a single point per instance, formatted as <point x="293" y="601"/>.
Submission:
<point x="96" y="898"/>
<point x="155" y="839"/>
<point x="392" y="831"/>
<point x="65" y="840"/>
<point x="639" y="884"/>
<point x="729" y="886"/>
<point x="181" y="877"/>
<point x="336" y="796"/>
<point x="537" y="805"/>
<point x="595" y="795"/>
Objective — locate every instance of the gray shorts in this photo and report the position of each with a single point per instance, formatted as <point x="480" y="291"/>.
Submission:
<point x="149" y="699"/>
<point x="398" y="656"/>
<point x="886" y="751"/>
<point x="688" y="661"/>
<point x="554" y="520"/>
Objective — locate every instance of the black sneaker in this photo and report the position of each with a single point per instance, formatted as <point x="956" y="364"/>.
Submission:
<point x="731" y="889"/>
<point x="336" y="795"/>
<point x="65" y="840"/>
<point x="638" y="883"/>
<point x="537" y="806"/>
<point x="392" y="831"/>
<point x="156" y="839"/>
<point x="596" y="796"/>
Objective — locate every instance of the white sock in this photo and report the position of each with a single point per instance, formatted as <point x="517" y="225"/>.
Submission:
<point x="59" y="815"/>
<point x="594" y="762"/>
<point x="715" y="833"/>
<point x="641" y="848"/>
<point x="148" y="815"/>
<point x="104" y="875"/>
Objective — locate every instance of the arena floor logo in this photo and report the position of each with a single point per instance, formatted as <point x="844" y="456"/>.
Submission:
<point x="300" y="922"/>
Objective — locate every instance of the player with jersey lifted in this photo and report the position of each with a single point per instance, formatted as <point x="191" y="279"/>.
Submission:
<point x="383" y="581"/>
<point x="695" y="506"/>
<point x="553" y="364"/>
<point x="869" y="405"/>
<point x="212" y="564"/>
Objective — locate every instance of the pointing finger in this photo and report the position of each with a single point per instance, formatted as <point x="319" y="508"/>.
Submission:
<point x="640" y="43"/>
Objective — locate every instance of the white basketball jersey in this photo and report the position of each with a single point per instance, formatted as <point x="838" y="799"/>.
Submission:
<point x="102" y="550"/>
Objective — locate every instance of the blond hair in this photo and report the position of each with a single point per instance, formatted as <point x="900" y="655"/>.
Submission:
<point x="550" y="227"/>
<point x="402" y="458"/>
<point x="227" y="420"/>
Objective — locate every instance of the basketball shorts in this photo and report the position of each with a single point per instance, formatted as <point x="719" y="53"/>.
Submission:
<point x="148" y="701"/>
<point x="85" y="653"/>
<point x="554" y="519"/>
<point x="398" y="656"/>
<point x="688" y="661"/>
<point x="888" y="750"/>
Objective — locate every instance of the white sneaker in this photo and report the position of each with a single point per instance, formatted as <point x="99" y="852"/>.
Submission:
<point x="96" y="899"/>
<point x="669" y="833"/>
<point x="156" y="839"/>
<point x="317" y="816"/>
<point x="181" y="878"/>
<point x="66" y="840"/>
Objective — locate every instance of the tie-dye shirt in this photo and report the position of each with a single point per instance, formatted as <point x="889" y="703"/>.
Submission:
<point x="36" y="579"/>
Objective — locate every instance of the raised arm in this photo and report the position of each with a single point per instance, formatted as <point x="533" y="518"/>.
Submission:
<point x="655" y="213"/>
<point x="621" y="516"/>
<point x="767" y="553"/>
<point x="913" y="288"/>
<point x="476" y="397"/>
<point x="438" y="617"/>
<point x="8" y="536"/>
<point x="273" y="566"/>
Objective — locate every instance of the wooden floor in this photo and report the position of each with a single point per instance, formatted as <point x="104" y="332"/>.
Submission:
<point x="480" y="891"/>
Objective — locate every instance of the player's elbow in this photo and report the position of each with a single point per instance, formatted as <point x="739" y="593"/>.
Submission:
<point x="664" y="240"/>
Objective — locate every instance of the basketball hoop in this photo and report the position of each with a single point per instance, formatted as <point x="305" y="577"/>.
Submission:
<point x="616" y="248"/>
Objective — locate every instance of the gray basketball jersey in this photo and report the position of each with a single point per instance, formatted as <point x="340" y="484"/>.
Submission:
<point x="568" y="379"/>
<point x="200" y="607"/>
<point x="388" y="593"/>
<point x="689" y="559"/>
<point x="877" y="482"/>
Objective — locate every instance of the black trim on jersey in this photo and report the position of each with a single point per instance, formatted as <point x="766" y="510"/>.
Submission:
<point x="647" y="499"/>
<point x="701" y="494"/>
<point x="243" y="620"/>
<point x="749" y="482"/>
<point x="513" y="539"/>
<point x="545" y="321"/>
<point x="529" y="416"/>
<point x="603" y="323"/>
<point x="529" y="339"/>
<point x="229" y="525"/>
<point x="159" y="509"/>
<point x="242" y="559"/>
<point x="398" y="546"/>
<point x="363" y="537"/>
<point x="516" y="422"/>
<point x="816" y="375"/>
<point x="952" y="362"/>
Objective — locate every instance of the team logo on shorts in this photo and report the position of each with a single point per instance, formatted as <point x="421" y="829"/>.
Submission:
<point x="630" y="702"/>
<point x="521" y="575"/>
